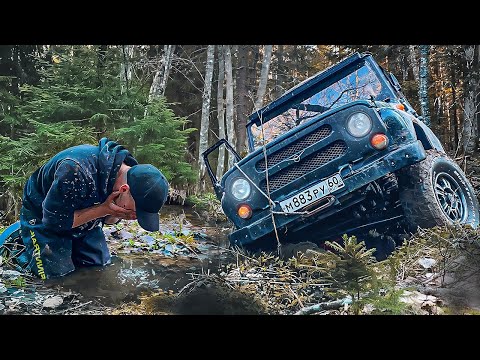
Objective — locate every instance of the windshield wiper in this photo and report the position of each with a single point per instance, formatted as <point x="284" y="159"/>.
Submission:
<point x="310" y="107"/>
<point x="319" y="108"/>
<point x="307" y="107"/>
<point x="343" y="92"/>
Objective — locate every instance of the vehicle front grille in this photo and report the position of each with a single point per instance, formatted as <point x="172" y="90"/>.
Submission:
<point x="294" y="148"/>
<point x="304" y="166"/>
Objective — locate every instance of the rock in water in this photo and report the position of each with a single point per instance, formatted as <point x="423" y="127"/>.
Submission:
<point x="53" y="302"/>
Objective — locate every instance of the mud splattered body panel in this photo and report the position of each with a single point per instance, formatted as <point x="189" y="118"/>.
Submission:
<point x="308" y="136"/>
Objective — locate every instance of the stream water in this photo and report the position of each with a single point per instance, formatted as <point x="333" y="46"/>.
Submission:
<point x="131" y="275"/>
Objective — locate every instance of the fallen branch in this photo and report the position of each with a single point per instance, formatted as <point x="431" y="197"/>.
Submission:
<point x="188" y="247"/>
<point x="74" y="308"/>
<point x="323" y="306"/>
<point x="296" y="296"/>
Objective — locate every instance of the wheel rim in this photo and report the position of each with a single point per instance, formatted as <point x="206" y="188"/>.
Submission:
<point x="451" y="197"/>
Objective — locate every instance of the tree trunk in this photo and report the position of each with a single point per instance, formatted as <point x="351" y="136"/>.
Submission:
<point x="126" y="68"/>
<point x="423" y="88"/>
<point x="454" y="100"/>
<point x="204" y="125"/>
<point x="253" y="74"/>
<point x="470" y="131"/>
<point x="102" y="56"/>
<point x="229" y="102"/>
<point x="160" y="78"/>
<point x="22" y="77"/>
<point x="262" y="84"/>
<point x="444" y="110"/>
<point x="437" y="103"/>
<point x="242" y="113"/>
<point x="167" y="66"/>
<point x="221" y="111"/>
<point x="280" y="76"/>
<point x="414" y="63"/>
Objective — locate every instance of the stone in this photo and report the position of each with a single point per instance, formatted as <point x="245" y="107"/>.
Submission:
<point x="53" y="302"/>
<point x="427" y="263"/>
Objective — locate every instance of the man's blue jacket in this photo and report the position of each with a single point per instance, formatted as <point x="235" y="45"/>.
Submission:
<point x="76" y="178"/>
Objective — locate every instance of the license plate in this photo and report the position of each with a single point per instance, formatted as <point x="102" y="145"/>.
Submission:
<point x="312" y="194"/>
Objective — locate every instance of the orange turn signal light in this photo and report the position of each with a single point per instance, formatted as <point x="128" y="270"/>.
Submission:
<point x="244" y="211"/>
<point x="400" y="107"/>
<point x="379" y="141"/>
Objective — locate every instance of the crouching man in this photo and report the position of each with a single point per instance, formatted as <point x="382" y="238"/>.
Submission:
<point x="67" y="201"/>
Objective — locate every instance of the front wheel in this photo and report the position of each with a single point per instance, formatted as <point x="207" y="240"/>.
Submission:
<point x="435" y="191"/>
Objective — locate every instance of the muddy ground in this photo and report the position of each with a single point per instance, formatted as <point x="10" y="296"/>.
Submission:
<point x="187" y="268"/>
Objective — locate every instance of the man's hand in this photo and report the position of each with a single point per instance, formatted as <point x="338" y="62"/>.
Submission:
<point x="112" y="209"/>
<point x="108" y="208"/>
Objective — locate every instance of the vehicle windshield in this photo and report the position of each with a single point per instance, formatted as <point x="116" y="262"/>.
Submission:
<point x="362" y="84"/>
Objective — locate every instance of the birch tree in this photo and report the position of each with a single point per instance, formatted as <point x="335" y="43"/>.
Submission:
<point x="160" y="78"/>
<point x="126" y="68"/>
<point x="280" y="75"/>
<point x="470" y="110"/>
<point x="423" y="86"/>
<point x="413" y="62"/>
<point x="229" y="102"/>
<point x="221" y="110"/>
<point x="204" y="125"/>
<point x="262" y="84"/>
<point x="242" y="98"/>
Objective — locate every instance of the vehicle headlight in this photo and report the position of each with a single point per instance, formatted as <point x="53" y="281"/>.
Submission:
<point x="241" y="189"/>
<point x="359" y="124"/>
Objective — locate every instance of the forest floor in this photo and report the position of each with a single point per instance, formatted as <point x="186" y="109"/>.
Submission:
<point x="188" y="268"/>
<point x="430" y="277"/>
<point x="424" y="276"/>
<point x="435" y="271"/>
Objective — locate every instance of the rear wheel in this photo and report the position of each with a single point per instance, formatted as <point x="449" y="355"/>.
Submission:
<point x="12" y="249"/>
<point x="435" y="191"/>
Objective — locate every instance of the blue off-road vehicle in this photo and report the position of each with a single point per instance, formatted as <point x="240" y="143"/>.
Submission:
<point x="342" y="151"/>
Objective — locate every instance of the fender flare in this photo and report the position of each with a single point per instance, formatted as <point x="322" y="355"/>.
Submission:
<point x="428" y="139"/>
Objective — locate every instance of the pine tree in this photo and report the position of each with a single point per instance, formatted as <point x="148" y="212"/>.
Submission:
<point x="350" y="268"/>
<point x="160" y="139"/>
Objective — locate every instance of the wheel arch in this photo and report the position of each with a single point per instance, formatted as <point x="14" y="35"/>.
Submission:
<point x="419" y="200"/>
<point x="427" y="137"/>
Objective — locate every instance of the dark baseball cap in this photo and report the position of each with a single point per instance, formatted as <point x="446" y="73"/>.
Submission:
<point x="149" y="189"/>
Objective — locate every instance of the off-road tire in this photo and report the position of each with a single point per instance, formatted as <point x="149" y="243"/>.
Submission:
<point x="420" y="190"/>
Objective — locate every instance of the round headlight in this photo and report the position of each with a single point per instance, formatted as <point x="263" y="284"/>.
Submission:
<point x="359" y="124"/>
<point x="241" y="189"/>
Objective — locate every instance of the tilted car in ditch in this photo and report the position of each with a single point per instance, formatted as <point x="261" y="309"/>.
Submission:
<point x="341" y="151"/>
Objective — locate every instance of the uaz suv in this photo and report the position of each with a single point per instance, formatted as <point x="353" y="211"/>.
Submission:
<point x="343" y="150"/>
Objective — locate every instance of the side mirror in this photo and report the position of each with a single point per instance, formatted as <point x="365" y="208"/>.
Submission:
<point x="215" y="182"/>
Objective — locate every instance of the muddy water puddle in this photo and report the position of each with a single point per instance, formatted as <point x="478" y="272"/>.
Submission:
<point x="139" y="271"/>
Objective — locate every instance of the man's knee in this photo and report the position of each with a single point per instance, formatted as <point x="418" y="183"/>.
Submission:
<point x="92" y="250"/>
<point x="47" y="255"/>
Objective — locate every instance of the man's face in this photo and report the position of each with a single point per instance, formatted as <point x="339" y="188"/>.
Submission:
<point x="125" y="199"/>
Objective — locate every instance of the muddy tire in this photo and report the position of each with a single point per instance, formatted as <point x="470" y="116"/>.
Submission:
<point x="435" y="191"/>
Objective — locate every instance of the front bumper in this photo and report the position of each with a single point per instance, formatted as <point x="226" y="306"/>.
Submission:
<point x="406" y="155"/>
